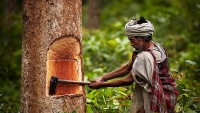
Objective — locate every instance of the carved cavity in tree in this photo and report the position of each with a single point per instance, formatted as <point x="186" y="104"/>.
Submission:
<point x="63" y="61"/>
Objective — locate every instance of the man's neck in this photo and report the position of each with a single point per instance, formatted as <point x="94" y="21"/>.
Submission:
<point x="148" y="45"/>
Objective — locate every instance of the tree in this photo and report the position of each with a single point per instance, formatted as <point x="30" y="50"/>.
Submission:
<point x="93" y="18"/>
<point x="51" y="45"/>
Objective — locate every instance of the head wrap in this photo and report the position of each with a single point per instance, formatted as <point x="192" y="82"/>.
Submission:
<point x="133" y="28"/>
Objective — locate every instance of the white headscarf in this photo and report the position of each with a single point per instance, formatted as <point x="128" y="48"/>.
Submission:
<point x="134" y="29"/>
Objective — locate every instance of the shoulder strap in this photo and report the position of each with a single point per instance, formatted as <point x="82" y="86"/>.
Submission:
<point x="135" y="53"/>
<point x="157" y="94"/>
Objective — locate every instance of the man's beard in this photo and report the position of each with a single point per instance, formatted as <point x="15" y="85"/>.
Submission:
<point x="139" y="49"/>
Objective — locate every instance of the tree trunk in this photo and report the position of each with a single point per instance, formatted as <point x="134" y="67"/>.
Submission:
<point x="9" y="11"/>
<point x="51" y="46"/>
<point x="93" y="18"/>
<point x="8" y="21"/>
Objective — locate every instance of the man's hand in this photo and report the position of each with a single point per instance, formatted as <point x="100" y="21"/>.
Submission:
<point x="96" y="85"/>
<point x="100" y="79"/>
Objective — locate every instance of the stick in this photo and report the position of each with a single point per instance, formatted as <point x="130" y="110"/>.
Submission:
<point x="73" y="82"/>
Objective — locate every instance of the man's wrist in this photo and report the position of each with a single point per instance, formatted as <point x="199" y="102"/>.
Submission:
<point x="103" y="78"/>
<point x="104" y="84"/>
<point x="100" y="79"/>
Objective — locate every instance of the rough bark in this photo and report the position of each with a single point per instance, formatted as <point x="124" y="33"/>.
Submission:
<point x="51" y="44"/>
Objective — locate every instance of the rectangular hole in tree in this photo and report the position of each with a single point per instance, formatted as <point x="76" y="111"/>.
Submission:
<point x="64" y="61"/>
<point x="65" y="70"/>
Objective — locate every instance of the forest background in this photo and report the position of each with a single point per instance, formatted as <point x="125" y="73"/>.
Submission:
<point x="105" y="47"/>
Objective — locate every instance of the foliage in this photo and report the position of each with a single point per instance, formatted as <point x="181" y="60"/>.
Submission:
<point x="101" y="55"/>
<point x="168" y="18"/>
<point x="189" y="99"/>
<point x="104" y="99"/>
<point x="10" y="54"/>
<point x="110" y="100"/>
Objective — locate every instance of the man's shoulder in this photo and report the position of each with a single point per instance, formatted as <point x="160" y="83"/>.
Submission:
<point x="144" y="55"/>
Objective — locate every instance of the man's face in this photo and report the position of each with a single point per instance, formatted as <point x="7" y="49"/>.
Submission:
<point x="138" y="43"/>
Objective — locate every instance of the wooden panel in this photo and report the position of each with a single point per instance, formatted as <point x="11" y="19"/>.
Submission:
<point x="67" y="70"/>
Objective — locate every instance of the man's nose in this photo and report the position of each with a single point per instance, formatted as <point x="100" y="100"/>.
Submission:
<point x="131" y="43"/>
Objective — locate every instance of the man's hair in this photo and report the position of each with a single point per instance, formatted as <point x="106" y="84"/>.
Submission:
<point x="147" y="38"/>
<point x="142" y="20"/>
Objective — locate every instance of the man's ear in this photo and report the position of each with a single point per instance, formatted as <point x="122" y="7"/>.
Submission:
<point x="141" y="39"/>
<point x="147" y="38"/>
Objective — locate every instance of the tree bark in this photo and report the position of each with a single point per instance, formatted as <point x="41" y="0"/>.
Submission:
<point x="93" y="18"/>
<point x="9" y="11"/>
<point x="51" y="45"/>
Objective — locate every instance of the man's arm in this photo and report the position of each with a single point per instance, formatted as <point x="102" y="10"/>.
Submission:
<point x="117" y="73"/>
<point x="117" y="83"/>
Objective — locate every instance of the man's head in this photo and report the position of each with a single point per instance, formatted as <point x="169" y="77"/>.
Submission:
<point x="139" y="32"/>
<point x="139" y="42"/>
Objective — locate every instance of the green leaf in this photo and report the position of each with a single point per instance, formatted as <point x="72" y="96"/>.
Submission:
<point x="115" y="102"/>
<point x="191" y="62"/>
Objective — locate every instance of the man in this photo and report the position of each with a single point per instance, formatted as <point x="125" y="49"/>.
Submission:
<point x="155" y="89"/>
